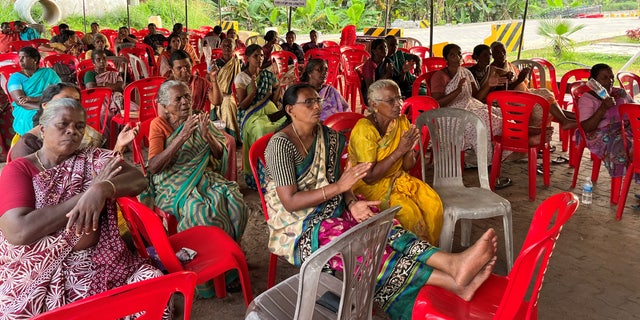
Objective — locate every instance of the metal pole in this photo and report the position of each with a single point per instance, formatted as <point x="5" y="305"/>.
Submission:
<point x="84" y="16"/>
<point x="128" y="17"/>
<point x="220" y="12"/>
<point x="289" y="19"/>
<point x="431" y="31"/>
<point x="186" y="15"/>
<point x="386" y="16"/>
<point x="524" y="21"/>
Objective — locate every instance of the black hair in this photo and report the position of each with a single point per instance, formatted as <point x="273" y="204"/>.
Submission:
<point x="376" y="43"/>
<point x="171" y="36"/>
<point x="270" y="35"/>
<point x="178" y="55"/>
<point x="63" y="26"/>
<point x="31" y="52"/>
<point x="95" y="53"/>
<point x="289" y="98"/>
<point x="447" y="49"/>
<point x="217" y="29"/>
<point x="48" y="94"/>
<point x="477" y="50"/>
<point x="311" y="64"/>
<point x="151" y="24"/>
<point x="177" y="27"/>
<point x="595" y="70"/>
<point x="65" y="35"/>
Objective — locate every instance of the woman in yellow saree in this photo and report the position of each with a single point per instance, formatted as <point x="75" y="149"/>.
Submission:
<point x="387" y="139"/>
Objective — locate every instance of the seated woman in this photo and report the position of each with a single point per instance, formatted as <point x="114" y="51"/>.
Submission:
<point x="257" y="92"/>
<point x="517" y="80"/>
<point x="31" y="141"/>
<point x="187" y="157"/>
<point x="386" y="140"/>
<point x="59" y="237"/>
<point x="602" y="124"/>
<point x="229" y="66"/>
<point x="310" y="202"/>
<point x="315" y="74"/>
<point x="102" y="77"/>
<point x="68" y="43"/>
<point x="100" y="43"/>
<point x="233" y="35"/>
<point x="25" y="88"/>
<point x="377" y="67"/>
<point x="163" y="59"/>
<point x="455" y="87"/>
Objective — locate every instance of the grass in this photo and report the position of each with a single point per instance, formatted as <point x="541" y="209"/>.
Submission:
<point x="572" y="60"/>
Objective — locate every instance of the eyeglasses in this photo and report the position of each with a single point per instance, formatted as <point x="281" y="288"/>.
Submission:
<point x="399" y="99"/>
<point x="311" y="101"/>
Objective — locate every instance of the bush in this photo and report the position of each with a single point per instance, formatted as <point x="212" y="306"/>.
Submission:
<point x="634" y="34"/>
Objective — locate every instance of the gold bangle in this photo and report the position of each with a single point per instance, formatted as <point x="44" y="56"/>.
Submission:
<point x="112" y="186"/>
<point x="324" y="194"/>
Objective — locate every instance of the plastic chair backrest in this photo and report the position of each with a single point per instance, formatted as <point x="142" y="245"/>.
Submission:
<point x="348" y="35"/>
<point x="199" y="69"/>
<point x="92" y="101"/>
<point x="361" y="249"/>
<point x="333" y="63"/>
<point x="9" y="58"/>
<point x="38" y="42"/>
<point x="630" y="82"/>
<point x="138" y="67"/>
<point x="433" y="63"/>
<point x="533" y="260"/>
<point x="578" y="88"/>
<point x="6" y="72"/>
<point x="467" y="58"/>
<point x="216" y="53"/>
<point x="425" y="79"/>
<point x="343" y="122"/>
<point x="446" y="129"/>
<point x="282" y="59"/>
<point x="631" y="112"/>
<point x="516" y="108"/>
<point x="416" y="105"/>
<point x="148" y="297"/>
<point x="239" y="52"/>
<point x="64" y="58"/>
<point x="551" y="70"/>
<point x="420" y="51"/>
<point x="257" y="39"/>
<point x="147" y="90"/>
<point x="329" y="43"/>
<point x="256" y="156"/>
<point x="351" y="58"/>
<point x="15" y="46"/>
<point x="537" y="76"/>
<point x="577" y="74"/>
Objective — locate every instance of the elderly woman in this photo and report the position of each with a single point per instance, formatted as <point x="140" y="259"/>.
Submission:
<point x="315" y="74"/>
<point x="229" y="66"/>
<point x="59" y="237"/>
<point x="455" y="87"/>
<point x="26" y="86"/>
<point x="310" y="202"/>
<point x="163" y="59"/>
<point x="102" y="77"/>
<point x="31" y="141"/>
<point x="602" y="124"/>
<point x="186" y="157"/>
<point x="386" y="140"/>
<point x="233" y="35"/>
<point x="100" y="43"/>
<point x="257" y="92"/>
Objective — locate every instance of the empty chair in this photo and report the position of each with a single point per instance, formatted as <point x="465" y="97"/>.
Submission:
<point x="446" y="129"/>
<point x="630" y="111"/>
<point x="423" y="79"/>
<point x="349" y="61"/>
<point x="536" y="76"/>
<point x="360" y="248"/>
<point x="283" y="59"/>
<point x="210" y="262"/>
<point x="630" y="82"/>
<point x="420" y="51"/>
<point x="564" y="100"/>
<point x="9" y="58"/>
<point x="92" y="101"/>
<point x="343" y="122"/>
<point x="138" y="66"/>
<point x="433" y="63"/>
<point x="505" y="297"/>
<point x="149" y="297"/>
<point x="516" y="108"/>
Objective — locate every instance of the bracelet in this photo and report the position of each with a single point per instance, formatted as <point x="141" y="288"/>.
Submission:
<point x="350" y="202"/>
<point x="112" y="186"/>
<point x="324" y="194"/>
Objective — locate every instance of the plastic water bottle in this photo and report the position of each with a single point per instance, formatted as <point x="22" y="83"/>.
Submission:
<point x="587" y="192"/>
<point x="597" y="88"/>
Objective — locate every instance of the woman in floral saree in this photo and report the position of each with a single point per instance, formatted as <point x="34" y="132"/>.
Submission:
<point x="257" y="92"/>
<point x="310" y="202"/>
<point x="59" y="239"/>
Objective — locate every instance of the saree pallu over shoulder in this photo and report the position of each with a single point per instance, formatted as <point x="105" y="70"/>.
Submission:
<point x="194" y="190"/>
<point x="32" y="87"/>
<point x="47" y="274"/>
<point x="293" y="234"/>
<point x="422" y="211"/>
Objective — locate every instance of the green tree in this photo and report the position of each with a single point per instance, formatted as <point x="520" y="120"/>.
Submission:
<point x="557" y="32"/>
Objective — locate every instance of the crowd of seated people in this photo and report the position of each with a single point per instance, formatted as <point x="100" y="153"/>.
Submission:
<point x="190" y="159"/>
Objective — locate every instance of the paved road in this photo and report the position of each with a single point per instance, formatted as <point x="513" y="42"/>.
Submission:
<point x="469" y="35"/>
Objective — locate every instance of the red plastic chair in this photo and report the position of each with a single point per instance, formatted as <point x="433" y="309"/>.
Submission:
<point x="9" y="57"/>
<point x="256" y="157"/>
<point x="211" y="262"/>
<point x="516" y="108"/>
<point x="577" y="89"/>
<point x="15" y="46"/>
<point x="348" y="35"/>
<point x="467" y="59"/>
<point x="413" y="107"/>
<point x="146" y="91"/>
<point x="92" y="101"/>
<point x="343" y="122"/>
<point x="349" y="61"/>
<point x="216" y="54"/>
<point x="199" y="69"/>
<point x="68" y="59"/>
<point x="239" y="52"/>
<point x="6" y="72"/>
<point x="283" y="59"/>
<point x="329" y="43"/>
<point x="333" y="64"/>
<point x="564" y="100"/>
<point x="630" y="82"/>
<point x="433" y="64"/>
<point x="629" y="111"/>
<point x="149" y="297"/>
<point x="505" y="297"/>
<point x="420" y="51"/>
<point x="38" y="42"/>
<point x="111" y="37"/>
<point x="194" y="41"/>
<point x="425" y="79"/>
<point x="142" y="138"/>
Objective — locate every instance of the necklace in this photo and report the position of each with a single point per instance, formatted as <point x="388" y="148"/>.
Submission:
<point x="306" y="152"/>
<point x="40" y="162"/>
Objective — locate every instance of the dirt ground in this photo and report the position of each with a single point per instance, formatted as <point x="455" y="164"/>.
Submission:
<point x="593" y="273"/>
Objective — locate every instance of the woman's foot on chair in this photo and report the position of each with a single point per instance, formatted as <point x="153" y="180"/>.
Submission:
<point x="470" y="262"/>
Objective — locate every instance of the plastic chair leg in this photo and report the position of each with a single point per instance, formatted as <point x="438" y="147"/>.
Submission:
<point x="446" y="234"/>
<point x="496" y="164"/>
<point x="533" y="161"/>
<point x="624" y="192"/>
<point x="595" y="169"/>
<point x="616" y="184"/>
<point x="576" y="166"/>
<point x="465" y="238"/>
<point x="271" y="277"/>
<point x="508" y="238"/>
<point x="220" y="285"/>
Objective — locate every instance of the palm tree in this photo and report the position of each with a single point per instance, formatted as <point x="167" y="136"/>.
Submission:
<point x="557" y="32"/>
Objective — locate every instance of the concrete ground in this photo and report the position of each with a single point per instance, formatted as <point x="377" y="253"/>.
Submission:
<point x="593" y="273"/>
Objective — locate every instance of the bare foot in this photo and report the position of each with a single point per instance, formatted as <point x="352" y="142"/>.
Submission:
<point x="471" y="261"/>
<point x="467" y="292"/>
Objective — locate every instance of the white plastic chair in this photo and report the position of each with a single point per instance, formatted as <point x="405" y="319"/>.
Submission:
<point x="361" y="249"/>
<point x="536" y="68"/>
<point x="138" y="67"/>
<point x="446" y="127"/>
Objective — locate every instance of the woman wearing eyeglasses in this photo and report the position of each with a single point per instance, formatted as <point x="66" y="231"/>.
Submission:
<point x="315" y="74"/>
<point x="387" y="140"/>
<point x="310" y="202"/>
